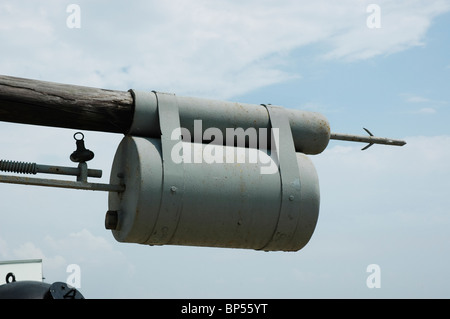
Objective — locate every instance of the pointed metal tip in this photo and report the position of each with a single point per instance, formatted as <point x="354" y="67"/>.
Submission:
<point x="366" y="139"/>
<point x="368" y="132"/>
<point x="369" y="145"/>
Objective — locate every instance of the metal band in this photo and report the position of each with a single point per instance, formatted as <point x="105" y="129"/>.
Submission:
<point x="145" y="108"/>
<point x="173" y="173"/>
<point x="290" y="179"/>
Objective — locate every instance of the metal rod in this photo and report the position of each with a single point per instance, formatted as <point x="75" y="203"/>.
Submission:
<point x="62" y="170"/>
<point x="366" y="139"/>
<point x="61" y="183"/>
<point x="33" y="168"/>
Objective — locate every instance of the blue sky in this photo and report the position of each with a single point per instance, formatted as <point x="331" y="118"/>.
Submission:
<point x="402" y="94"/>
<point x="386" y="206"/>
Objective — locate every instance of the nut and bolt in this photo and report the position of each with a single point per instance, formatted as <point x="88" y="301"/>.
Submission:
<point x="111" y="219"/>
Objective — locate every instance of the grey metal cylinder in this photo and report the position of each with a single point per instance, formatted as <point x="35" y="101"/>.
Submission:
<point x="225" y="204"/>
<point x="310" y="130"/>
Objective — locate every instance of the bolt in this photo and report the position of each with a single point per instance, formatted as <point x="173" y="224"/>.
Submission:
<point x="173" y="189"/>
<point x="111" y="219"/>
<point x="291" y="198"/>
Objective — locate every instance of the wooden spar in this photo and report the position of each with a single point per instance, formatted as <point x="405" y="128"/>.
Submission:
<point x="61" y="105"/>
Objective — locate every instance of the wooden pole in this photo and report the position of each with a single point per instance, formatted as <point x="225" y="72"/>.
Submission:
<point x="61" y="105"/>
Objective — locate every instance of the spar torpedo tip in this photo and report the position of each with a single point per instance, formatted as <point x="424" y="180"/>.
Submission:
<point x="371" y="139"/>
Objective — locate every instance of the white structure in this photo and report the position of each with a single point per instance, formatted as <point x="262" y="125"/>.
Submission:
<point x="20" y="270"/>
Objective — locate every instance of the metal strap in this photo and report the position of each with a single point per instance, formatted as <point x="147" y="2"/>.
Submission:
<point x="145" y="109"/>
<point x="173" y="173"/>
<point x="290" y="179"/>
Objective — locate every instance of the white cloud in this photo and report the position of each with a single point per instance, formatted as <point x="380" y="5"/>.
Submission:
<point x="27" y="251"/>
<point x="413" y="98"/>
<point x="417" y="99"/>
<point x="198" y="47"/>
<point x="432" y="107"/>
<point x="403" y="25"/>
<point x="83" y="247"/>
<point x="426" y="110"/>
<point x="92" y="253"/>
<point x="387" y="192"/>
<point x="422" y="155"/>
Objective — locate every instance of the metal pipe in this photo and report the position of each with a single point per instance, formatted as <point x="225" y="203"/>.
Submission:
<point x="61" y="183"/>
<point x="310" y="130"/>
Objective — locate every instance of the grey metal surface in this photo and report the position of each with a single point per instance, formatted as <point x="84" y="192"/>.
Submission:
<point x="310" y="130"/>
<point x="224" y="204"/>
<point x="145" y="116"/>
<point x="289" y="176"/>
<point x="173" y="182"/>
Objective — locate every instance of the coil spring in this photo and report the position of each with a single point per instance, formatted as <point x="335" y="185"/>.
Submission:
<point x="18" y="167"/>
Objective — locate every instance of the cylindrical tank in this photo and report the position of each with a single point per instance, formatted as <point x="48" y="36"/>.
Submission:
<point x="310" y="130"/>
<point x="230" y="204"/>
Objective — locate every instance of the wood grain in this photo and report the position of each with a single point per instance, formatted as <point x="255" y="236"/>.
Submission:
<point x="67" y="106"/>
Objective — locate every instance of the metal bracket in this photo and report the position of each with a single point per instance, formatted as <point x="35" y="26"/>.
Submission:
<point x="173" y="173"/>
<point x="289" y="175"/>
<point x="81" y="155"/>
<point x="145" y="108"/>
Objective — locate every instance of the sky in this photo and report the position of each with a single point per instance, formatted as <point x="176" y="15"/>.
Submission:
<point x="386" y="69"/>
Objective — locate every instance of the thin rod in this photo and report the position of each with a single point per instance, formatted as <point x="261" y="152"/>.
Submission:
<point x="33" y="168"/>
<point x="366" y="139"/>
<point x="61" y="183"/>
<point x="62" y="170"/>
